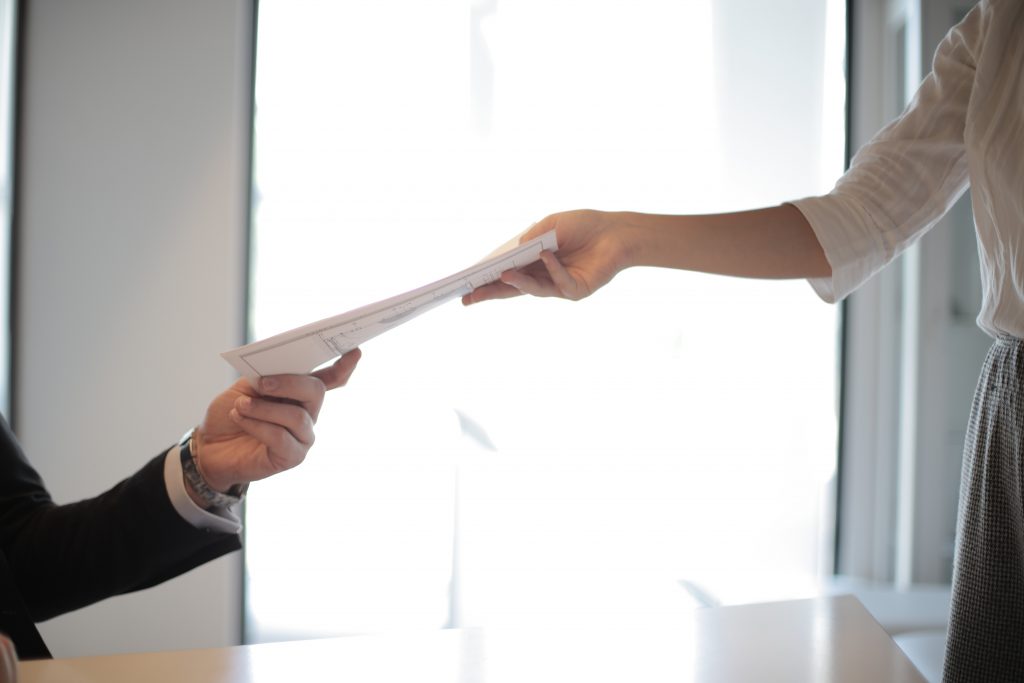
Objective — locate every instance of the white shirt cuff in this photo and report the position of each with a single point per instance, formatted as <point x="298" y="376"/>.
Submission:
<point x="216" y="519"/>
<point x="849" y="240"/>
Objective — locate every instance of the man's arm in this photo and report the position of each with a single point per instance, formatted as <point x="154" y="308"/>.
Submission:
<point x="132" y="537"/>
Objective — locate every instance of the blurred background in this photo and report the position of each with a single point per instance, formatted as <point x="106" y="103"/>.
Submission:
<point x="182" y="177"/>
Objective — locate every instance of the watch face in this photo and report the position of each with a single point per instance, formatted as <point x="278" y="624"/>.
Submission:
<point x="186" y="438"/>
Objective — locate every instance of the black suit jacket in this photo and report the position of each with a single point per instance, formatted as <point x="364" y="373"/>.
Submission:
<point x="57" y="558"/>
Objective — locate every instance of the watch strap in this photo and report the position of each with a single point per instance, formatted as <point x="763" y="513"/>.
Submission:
<point x="190" y="469"/>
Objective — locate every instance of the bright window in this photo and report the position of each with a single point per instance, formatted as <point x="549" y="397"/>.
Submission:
<point x="540" y="461"/>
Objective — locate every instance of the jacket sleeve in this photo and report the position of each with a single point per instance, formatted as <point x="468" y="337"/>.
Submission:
<point x="64" y="557"/>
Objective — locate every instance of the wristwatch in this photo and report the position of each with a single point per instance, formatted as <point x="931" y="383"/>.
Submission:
<point x="190" y="468"/>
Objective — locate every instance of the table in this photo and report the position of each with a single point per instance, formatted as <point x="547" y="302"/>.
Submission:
<point x="824" y="640"/>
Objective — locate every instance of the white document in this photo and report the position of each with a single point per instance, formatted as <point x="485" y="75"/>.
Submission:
<point x="303" y="349"/>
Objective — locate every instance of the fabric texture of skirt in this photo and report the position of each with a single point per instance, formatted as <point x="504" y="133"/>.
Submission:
<point x="986" y="630"/>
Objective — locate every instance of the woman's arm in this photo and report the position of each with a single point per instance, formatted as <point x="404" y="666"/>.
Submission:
<point x="593" y="246"/>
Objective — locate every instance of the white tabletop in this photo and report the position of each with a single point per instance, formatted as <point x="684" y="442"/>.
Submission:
<point x="820" y="640"/>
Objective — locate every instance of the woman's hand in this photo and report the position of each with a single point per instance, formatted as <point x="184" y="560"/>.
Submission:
<point x="591" y="252"/>
<point x="593" y="246"/>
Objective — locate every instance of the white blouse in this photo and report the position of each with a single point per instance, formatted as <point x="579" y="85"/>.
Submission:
<point x="965" y="126"/>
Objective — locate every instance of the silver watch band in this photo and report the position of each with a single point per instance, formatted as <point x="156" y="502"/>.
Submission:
<point x="190" y="469"/>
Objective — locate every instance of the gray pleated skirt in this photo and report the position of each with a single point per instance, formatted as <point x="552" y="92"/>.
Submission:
<point x="986" y="630"/>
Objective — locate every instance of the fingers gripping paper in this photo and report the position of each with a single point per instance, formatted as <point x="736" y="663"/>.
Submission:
<point x="303" y="349"/>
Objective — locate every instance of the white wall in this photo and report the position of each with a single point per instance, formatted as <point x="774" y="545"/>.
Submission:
<point x="7" y="30"/>
<point x="131" y="259"/>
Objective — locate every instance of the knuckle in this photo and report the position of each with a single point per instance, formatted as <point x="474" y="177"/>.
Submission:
<point x="279" y="438"/>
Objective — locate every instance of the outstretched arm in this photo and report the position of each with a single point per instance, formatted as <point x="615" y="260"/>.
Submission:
<point x="593" y="246"/>
<point x="132" y="537"/>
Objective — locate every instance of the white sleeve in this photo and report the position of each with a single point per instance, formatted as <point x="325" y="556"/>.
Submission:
<point x="216" y="519"/>
<point x="902" y="181"/>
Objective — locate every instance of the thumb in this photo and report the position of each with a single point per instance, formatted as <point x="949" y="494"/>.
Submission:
<point x="338" y="373"/>
<point x="546" y="224"/>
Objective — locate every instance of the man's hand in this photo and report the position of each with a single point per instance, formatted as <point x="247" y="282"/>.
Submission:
<point x="8" y="660"/>
<point x="248" y="435"/>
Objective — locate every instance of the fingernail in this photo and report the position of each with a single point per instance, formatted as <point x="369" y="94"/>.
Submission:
<point x="268" y="383"/>
<point x="244" y="403"/>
